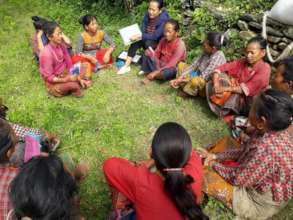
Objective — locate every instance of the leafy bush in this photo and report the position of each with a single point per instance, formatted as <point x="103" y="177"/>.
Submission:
<point x="220" y="15"/>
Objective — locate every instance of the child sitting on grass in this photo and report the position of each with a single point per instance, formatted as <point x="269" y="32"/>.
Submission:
<point x="89" y="45"/>
<point x="192" y="79"/>
<point x="161" y="64"/>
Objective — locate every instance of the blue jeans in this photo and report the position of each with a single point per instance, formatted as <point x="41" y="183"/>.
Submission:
<point x="149" y="66"/>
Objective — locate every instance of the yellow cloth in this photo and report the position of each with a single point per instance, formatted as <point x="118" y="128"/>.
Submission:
<point x="97" y="39"/>
<point x="213" y="184"/>
<point x="195" y="86"/>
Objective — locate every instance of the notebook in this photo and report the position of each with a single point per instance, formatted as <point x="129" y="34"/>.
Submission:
<point x="127" y="32"/>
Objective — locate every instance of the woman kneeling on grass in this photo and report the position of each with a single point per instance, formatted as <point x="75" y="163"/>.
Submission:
<point x="234" y="84"/>
<point x="259" y="182"/>
<point x="161" y="64"/>
<point x="192" y="79"/>
<point x="166" y="187"/>
<point x="56" y="66"/>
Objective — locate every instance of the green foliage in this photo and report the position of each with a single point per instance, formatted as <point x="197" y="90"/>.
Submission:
<point x="221" y="15"/>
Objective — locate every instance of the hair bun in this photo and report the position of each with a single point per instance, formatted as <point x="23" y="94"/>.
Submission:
<point x="36" y="18"/>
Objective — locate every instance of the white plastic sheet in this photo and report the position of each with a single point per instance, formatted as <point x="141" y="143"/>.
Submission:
<point x="282" y="11"/>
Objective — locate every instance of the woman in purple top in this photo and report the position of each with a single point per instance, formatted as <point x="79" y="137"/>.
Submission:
<point x="152" y="32"/>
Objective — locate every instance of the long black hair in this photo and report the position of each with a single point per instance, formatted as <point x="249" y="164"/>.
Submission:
<point x="43" y="190"/>
<point x="86" y="20"/>
<point x="171" y="148"/>
<point x="276" y="107"/>
<point x="39" y="22"/>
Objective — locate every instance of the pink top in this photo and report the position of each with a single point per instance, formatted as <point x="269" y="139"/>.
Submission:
<point x="54" y="61"/>
<point x="252" y="80"/>
<point x="146" y="189"/>
<point x="170" y="53"/>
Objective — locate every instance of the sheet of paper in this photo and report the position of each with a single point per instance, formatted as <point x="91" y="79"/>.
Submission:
<point x="123" y="56"/>
<point x="127" y="32"/>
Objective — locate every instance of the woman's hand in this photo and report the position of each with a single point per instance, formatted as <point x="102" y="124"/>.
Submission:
<point x="210" y="159"/>
<point x="203" y="153"/>
<point x="106" y="57"/>
<point x="207" y="156"/>
<point x="174" y="83"/>
<point x="40" y="33"/>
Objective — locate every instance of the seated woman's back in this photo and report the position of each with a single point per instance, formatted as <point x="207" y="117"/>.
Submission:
<point x="169" y="188"/>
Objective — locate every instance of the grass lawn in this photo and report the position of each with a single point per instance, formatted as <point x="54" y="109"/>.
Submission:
<point x="116" y="117"/>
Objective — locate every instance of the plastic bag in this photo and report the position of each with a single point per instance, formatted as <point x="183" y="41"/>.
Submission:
<point x="282" y="12"/>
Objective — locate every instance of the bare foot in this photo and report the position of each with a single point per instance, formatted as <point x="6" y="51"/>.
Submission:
<point x="145" y="81"/>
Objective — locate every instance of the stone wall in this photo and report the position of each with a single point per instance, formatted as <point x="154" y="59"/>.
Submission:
<point x="279" y="35"/>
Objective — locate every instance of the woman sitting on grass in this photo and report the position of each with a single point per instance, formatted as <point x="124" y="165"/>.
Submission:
<point x="161" y="64"/>
<point x="152" y="31"/>
<point x="192" y="79"/>
<point x="259" y="183"/>
<point x="43" y="189"/>
<point x="234" y="84"/>
<point x="283" y="78"/>
<point x="89" y="45"/>
<point x="166" y="187"/>
<point x="56" y="65"/>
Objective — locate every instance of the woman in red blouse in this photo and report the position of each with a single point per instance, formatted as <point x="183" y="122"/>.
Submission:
<point x="166" y="187"/>
<point x="161" y="64"/>
<point x="260" y="181"/>
<point x="233" y="84"/>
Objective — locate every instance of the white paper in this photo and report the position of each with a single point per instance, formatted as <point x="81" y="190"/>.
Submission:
<point x="127" y="32"/>
<point x="123" y="56"/>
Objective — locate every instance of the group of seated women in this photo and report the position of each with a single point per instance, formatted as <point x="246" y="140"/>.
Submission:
<point x="252" y="175"/>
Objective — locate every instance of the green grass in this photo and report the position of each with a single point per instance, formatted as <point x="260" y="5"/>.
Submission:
<point x="116" y="117"/>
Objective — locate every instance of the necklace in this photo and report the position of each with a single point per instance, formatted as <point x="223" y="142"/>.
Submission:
<point x="59" y="60"/>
